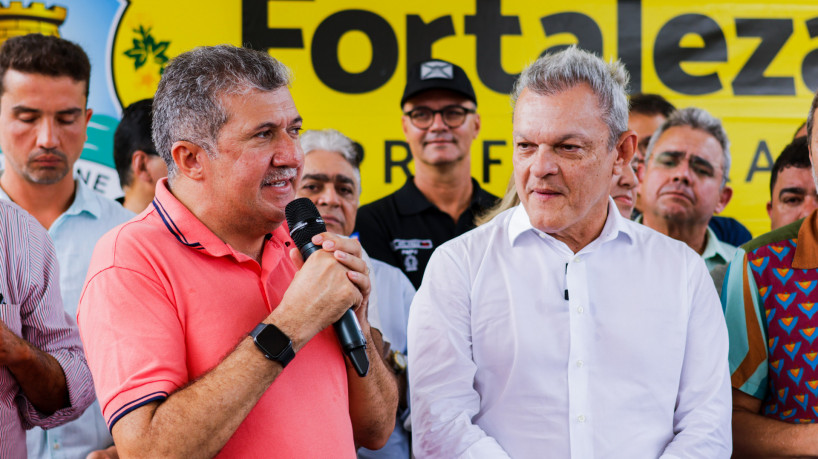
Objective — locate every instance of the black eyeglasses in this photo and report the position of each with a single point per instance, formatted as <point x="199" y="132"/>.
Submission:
<point x="453" y="116"/>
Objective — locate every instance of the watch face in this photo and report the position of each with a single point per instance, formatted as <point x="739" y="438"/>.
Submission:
<point x="272" y="340"/>
<point x="398" y="361"/>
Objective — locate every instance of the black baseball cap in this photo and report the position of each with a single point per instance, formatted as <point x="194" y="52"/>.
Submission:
<point x="437" y="74"/>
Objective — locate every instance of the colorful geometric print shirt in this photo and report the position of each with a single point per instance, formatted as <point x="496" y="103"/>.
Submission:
<point x="30" y="307"/>
<point x="770" y="306"/>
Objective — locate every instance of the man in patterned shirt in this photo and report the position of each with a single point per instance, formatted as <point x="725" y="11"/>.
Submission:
<point x="770" y="301"/>
<point x="44" y="379"/>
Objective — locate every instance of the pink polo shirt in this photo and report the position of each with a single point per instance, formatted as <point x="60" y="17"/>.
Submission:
<point x="166" y="300"/>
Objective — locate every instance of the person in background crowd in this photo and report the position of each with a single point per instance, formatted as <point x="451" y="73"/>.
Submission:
<point x="647" y="113"/>
<point x="44" y="380"/>
<point x="624" y="188"/>
<point x="801" y="131"/>
<point x="332" y="180"/>
<point x="43" y="121"/>
<point x="138" y="164"/>
<point x="792" y="187"/>
<point x="205" y="331"/>
<point x="686" y="168"/>
<point x="440" y="202"/>
<point x="769" y="302"/>
<point x="517" y="334"/>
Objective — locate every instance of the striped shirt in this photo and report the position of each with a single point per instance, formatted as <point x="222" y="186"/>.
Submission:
<point x="30" y="306"/>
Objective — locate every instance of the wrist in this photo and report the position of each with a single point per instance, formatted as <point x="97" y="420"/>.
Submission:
<point x="290" y="326"/>
<point x="24" y="356"/>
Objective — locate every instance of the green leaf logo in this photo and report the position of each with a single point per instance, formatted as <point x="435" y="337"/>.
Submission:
<point x="146" y="47"/>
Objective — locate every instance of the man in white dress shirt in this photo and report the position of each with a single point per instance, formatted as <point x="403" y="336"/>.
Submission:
<point x="560" y="328"/>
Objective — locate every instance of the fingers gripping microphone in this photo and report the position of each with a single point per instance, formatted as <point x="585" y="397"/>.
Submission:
<point x="305" y="222"/>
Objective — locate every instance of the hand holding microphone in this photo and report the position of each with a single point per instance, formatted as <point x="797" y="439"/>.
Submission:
<point x="305" y="222"/>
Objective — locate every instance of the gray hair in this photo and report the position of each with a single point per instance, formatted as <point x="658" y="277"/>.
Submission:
<point x="561" y="71"/>
<point x="187" y="105"/>
<point x="696" y="118"/>
<point x="332" y="140"/>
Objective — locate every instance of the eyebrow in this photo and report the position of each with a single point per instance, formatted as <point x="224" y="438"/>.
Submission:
<point x="326" y="178"/>
<point x="519" y="135"/>
<point x="696" y="159"/>
<point x="270" y="124"/>
<point x="793" y="190"/>
<point x="20" y="109"/>
<point x="701" y="162"/>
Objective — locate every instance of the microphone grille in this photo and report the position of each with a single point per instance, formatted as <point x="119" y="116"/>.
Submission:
<point x="303" y="220"/>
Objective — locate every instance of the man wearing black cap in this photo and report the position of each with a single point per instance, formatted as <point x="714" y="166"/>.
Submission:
<point x="440" y="201"/>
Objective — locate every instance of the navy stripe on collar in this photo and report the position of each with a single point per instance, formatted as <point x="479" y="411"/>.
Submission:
<point x="172" y="226"/>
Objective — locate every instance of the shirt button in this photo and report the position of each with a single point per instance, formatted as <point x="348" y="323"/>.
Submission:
<point x="580" y="309"/>
<point x="581" y="418"/>
<point x="580" y="363"/>
<point x="56" y="446"/>
<point x="577" y="259"/>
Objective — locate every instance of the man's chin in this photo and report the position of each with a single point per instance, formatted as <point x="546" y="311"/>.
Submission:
<point x="335" y="229"/>
<point x="46" y="177"/>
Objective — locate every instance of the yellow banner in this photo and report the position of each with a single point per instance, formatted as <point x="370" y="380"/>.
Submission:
<point x="752" y="64"/>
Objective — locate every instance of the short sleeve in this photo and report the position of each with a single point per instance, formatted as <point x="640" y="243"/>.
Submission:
<point x="139" y="366"/>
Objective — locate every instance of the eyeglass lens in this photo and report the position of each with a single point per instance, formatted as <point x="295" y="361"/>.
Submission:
<point x="423" y="117"/>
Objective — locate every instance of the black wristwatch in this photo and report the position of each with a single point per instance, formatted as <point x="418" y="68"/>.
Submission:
<point x="275" y="345"/>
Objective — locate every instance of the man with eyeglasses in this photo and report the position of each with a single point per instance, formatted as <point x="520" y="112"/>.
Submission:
<point x="685" y="182"/>
<point x="441" y="200"/>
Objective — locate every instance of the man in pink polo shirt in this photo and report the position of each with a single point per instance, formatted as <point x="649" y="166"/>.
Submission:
<point x="192" y="310"/>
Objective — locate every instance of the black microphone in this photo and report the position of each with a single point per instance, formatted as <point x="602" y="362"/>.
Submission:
<point x="305" y="222"/>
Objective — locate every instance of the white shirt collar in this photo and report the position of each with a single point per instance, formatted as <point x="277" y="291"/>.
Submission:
<point x="615" y="224"/>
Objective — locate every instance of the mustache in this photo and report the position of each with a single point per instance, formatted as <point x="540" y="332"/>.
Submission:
<point x="279" y="174"/>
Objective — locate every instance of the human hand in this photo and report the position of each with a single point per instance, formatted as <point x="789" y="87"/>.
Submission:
<point x="331" y="281"/>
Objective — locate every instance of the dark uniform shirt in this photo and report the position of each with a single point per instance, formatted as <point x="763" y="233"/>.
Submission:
<point x="403" y="229"/>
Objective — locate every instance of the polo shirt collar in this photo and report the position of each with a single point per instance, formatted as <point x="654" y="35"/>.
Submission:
<point x="409" y="200"/>
<point x="190" y="231"/>
<point x="806" y="250"/>
<point x="615" y="225"/>
<point x="714" y="248"/>
<point x="84" y="200"/>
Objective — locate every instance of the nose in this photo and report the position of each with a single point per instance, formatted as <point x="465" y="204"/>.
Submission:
<point x="47" y="134"/>
<point x="682" y="173"/>
<point x="288" y="152"/>
<point x="628" y="179"/>
<point x="328" y="196"/>
<point x="437" y="123"/>
<point x="543" y="164"/>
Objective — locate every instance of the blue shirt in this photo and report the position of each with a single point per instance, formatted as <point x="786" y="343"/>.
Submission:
<point x="75" y="233"/>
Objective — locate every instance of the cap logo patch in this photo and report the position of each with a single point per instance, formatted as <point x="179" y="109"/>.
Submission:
<point x="436" y="69"/>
